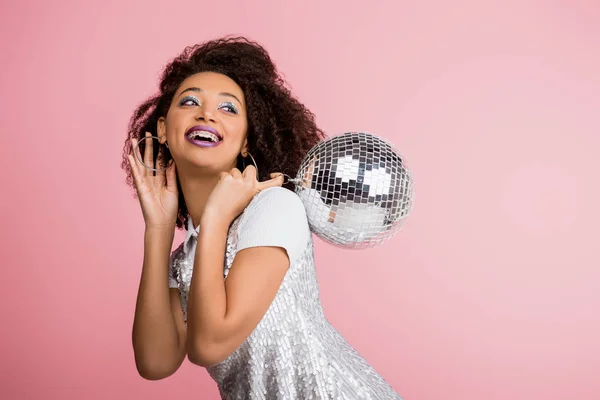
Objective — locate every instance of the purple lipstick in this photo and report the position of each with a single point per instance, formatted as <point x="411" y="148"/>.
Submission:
<point x="203" y="136"/>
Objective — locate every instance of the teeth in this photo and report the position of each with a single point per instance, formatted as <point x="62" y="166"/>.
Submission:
<point x="203" y="134"/>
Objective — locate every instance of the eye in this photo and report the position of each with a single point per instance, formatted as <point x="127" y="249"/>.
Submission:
<point x="189" y="101"/>
<point x="229" y="107"/>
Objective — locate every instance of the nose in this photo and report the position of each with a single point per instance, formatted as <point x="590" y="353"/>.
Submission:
<point x="204" y="114"/>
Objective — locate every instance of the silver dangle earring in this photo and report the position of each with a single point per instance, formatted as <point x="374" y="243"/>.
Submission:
<point x="253" y="162"/>
<point x="138" y="155"/>
<point x="165" y="143"/>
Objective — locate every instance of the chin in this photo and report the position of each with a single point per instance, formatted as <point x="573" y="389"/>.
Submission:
<point x="213" y="166"/>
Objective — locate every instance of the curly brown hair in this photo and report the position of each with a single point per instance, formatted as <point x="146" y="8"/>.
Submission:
<point x="281" y="130"/>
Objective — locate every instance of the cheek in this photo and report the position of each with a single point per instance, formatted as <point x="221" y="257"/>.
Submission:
<point x="237" y="128"/>
<point x="173" y="118"/>
<point x="175" y="122"/>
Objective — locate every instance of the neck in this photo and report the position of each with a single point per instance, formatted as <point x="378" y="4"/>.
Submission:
<point x="196" y="190"/>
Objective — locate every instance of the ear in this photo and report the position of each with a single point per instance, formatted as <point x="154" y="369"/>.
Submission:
<point x="161" y="130"/>
<point x="244" y="151"/>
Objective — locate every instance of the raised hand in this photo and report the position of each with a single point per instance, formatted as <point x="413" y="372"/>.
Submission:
<point x="233" y="193"/>
<point x="157" y="191"/>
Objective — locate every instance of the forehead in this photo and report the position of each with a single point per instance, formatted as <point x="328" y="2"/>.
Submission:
<point x="212" y="83"/>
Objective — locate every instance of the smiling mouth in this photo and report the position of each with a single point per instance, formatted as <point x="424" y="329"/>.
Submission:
<point x="203" y="136"/>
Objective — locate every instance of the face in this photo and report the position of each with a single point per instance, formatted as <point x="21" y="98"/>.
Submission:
<point x="206" y="123"/>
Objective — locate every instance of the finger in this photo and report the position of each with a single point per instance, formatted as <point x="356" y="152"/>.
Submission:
<point x="271" y="183"/>
<point x="148" y="151"/>
<point x="160" y="177"/>
<point x="250" y="173"/>
<point x="275" y="174"/>
<point x="236" y="173"/>
<point x="135" y="150"/>
<point x="224" y="175"/>
<point x="137" y="155"/>
<point x="134" y="170"/>
<point x="171" y="175"/>
<point x="161" y="166"/>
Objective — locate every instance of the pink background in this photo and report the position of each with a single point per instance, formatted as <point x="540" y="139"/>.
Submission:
<point x="491" y="291"/>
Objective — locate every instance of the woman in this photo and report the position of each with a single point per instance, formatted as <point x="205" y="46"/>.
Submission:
<point x="251" y="314"/>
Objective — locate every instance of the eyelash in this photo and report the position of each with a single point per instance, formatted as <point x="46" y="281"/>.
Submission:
<point x="229" y="105"/>
<point x="189" y="98"/>
<point x="232" y="108"/>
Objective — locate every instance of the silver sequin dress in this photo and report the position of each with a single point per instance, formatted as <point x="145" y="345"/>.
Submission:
<point x="294" y="352"/>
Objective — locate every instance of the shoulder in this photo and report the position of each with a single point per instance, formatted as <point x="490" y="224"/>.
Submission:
<point x="275" y="217"/>
<point x="277" y="194"/>
<point x="277" y="201"/>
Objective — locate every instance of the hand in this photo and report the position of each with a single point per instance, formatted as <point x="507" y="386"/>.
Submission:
<point x="233" y="193"/>
<point x="157" y="192"/>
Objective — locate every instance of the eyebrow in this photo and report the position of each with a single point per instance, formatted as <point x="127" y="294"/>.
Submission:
<point x="198" y="90"/>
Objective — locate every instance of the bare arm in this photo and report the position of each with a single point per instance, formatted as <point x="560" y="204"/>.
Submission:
<point x="158" y="330"/>
<point x="222" y="314"/>
<point x="159" y="333"/>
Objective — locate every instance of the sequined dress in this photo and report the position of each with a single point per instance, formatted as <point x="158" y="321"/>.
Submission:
<point x="294" y="352"/>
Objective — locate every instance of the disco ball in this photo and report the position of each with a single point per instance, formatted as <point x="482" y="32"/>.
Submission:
<point x="356" y="190"/>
